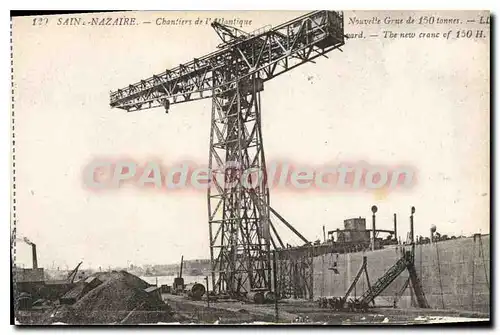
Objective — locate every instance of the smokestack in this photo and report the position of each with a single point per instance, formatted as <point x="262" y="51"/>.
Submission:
<point x="395" y="227"/>
<point x="33" y="253"/>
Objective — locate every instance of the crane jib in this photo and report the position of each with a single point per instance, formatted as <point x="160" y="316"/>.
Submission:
<point x="240" y="227"/>
<point x="264" y="53"/>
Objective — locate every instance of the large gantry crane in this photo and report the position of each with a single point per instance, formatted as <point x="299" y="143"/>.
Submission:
<point x="233" y="76"/>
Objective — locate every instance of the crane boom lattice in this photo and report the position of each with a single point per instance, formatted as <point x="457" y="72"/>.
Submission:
<point x="266" y="55"/>
<point x="233" y="76"/>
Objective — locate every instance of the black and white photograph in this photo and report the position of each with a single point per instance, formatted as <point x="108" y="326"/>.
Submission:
<point x="327" y="167"/>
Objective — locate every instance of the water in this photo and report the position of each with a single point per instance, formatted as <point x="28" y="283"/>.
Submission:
<point x="169" y="280"/>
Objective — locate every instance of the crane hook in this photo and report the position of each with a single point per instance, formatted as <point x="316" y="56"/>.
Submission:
<point x="166" y="104"/>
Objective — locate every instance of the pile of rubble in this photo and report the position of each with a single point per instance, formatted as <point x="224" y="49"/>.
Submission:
<point x="112" y="298"/>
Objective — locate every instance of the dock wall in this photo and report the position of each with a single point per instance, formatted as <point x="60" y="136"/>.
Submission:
<point x="455" y="274"/>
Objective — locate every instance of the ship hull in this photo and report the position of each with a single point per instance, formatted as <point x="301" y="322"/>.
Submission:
<point x="455" y="274"/>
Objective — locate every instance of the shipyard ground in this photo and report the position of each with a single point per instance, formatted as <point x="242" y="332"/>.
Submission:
<point x="306" y="312"/>
<point x="296" y="312"/>
<point x="120" y="298"/>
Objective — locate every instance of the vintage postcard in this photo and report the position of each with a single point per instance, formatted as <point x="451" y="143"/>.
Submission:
<point x="271" y="167"/>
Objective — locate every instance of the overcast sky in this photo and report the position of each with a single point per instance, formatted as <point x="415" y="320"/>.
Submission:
<point x="422" y="103"/>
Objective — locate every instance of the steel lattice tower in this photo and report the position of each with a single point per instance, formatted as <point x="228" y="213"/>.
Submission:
<point x="239" y="237"/>
<point x="233" y="76"/>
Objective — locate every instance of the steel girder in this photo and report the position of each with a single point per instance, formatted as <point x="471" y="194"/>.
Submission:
<point x="238" y="211"/>
<point x="295" y="269"/>
<point x="265" y="53"/>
